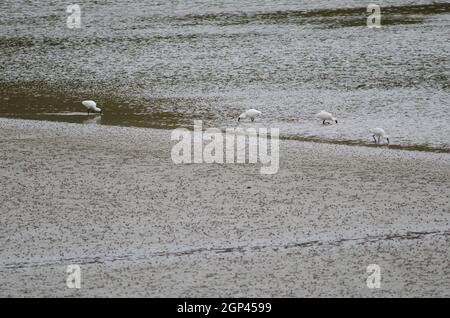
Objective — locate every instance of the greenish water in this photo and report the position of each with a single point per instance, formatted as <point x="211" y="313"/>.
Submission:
<point x="166" y="64"/>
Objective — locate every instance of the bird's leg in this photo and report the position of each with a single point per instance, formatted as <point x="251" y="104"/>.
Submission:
<point x="374" y="138"/>
<point x="253" y="119"/>
<point x="88" y="112"/>
<point x="379" y="139"/>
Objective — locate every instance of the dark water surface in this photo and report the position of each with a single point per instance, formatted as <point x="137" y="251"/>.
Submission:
<point x="165" y="63"/>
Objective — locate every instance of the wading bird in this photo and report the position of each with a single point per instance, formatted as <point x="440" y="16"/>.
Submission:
<point x="251" y="113"/>
<point x="91" y="106"/>
<point x="324" y="116"/>
<point x="379" y="133"/>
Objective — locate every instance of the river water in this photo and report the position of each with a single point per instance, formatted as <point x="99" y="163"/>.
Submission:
<point x="164" y="64"/>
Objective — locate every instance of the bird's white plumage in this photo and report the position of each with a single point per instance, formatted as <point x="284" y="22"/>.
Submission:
<point x="323" y="115"/>
<point x="379" y="133"/>
<point x="251" y="113"/>
<point x="91" y="106"/>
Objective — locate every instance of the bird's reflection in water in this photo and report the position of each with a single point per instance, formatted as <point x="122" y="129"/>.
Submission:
<point x="97" y="120"/>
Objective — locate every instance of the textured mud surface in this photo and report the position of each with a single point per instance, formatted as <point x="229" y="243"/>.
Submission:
<point x="111" y="200"/>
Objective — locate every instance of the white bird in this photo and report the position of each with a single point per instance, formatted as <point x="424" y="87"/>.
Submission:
<point x="324" y="116"/>
<point x="91" y="106"/>
<point x="379" y="133"/>
<point x="251" y="113"/>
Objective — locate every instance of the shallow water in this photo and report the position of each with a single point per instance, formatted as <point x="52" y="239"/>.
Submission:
<point x="164" y="64"/>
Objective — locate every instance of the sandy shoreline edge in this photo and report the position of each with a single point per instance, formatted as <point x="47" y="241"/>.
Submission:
<point x="111" y="199"/>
